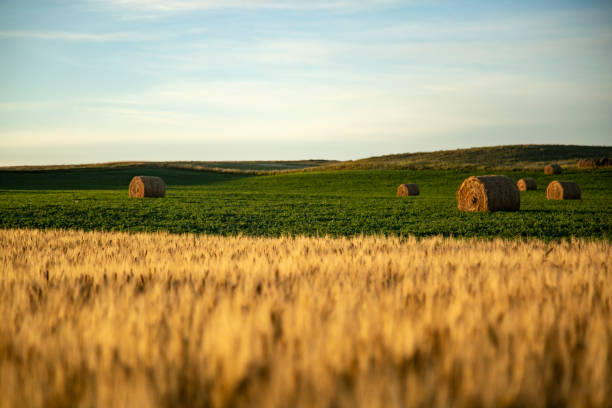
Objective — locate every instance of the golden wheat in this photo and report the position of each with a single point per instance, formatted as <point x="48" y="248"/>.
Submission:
<point x="113" y="319"/>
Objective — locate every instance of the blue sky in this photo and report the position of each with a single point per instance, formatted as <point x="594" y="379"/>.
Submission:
<point x="107" y="80"/>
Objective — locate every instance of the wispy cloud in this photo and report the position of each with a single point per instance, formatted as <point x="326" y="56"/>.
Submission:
<point x="545" y="41"/>
<point x="191" y="5"/>
<point x="396" y="108"/>
<point x="148" y="116"/>
<point x="21" y="106"/>
<point x="73" y="36"/>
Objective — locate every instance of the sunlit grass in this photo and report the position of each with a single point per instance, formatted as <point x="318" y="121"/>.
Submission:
<point x="113" y="319"/>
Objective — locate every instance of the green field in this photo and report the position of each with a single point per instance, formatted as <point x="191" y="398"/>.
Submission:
<point x="311" y="203"/>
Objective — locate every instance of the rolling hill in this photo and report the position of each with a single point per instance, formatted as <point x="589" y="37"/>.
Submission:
<point x="510" y="157"/>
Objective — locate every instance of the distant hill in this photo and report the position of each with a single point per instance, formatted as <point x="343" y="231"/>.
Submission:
<point x="251" y="166"/>
<point x="254" y="167"/>
<point x="479" y="158"/>
<point x="496" y="157"/>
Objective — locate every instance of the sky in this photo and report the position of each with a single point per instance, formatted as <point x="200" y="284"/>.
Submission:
<point x="111" y="80"/>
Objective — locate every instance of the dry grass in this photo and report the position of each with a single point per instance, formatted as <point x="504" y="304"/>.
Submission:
<point x="111" y="319"/>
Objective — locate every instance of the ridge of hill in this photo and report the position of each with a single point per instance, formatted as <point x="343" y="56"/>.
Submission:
<point x="508" y="157"/>
<point x="249" y="167"/>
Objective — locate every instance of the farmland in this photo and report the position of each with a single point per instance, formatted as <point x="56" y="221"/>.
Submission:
<point x="301" y="287"/>
<point x="316" y="203"/>
<point x="123" y="320"/>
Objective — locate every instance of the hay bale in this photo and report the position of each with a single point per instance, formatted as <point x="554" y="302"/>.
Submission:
<point x="408" y="190"/>
<point x="594" y="163"/>
<point x="552" y="168"/>
<point x="563" y="190"/>
<point x="147" y="186"/>
<point x="488" y="193"/>
<point x="525" y="184"/>
<point x="587" y="163"/>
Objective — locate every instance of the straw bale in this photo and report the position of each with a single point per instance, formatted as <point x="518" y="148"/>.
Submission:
<point x="587" y="163"/>
<point x="147" y="186"/>
<point x="525" y="184"/>
<point x="408" y="190"/>
<point x="603" y="162"/>
<point x="563" y="190"/>
<point x="594" y="163"/>
<point x="488" y="193"/>
<point x="552" y="168"/>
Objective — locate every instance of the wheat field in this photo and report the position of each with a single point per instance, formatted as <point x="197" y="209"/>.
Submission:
<point x="148" y="320"/>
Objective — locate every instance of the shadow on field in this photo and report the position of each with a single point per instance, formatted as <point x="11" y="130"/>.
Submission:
<point x="106" y="178"/>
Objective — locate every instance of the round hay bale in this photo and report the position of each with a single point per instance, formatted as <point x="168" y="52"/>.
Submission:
<point x="552" y="168"/>
<point x="525" y="184"/>
<point x="587" y="163"/>
<point x="563" y="190"/>
<point x="408" y="190"/>
<point x="147" y="186"/>
<point x="594" y="163"/>
<point x="488" y="193"/>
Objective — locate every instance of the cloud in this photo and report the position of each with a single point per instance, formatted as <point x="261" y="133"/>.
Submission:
<point x="191" y="5"/>
<point x="148" y="116"/>
<point x="73" y="36"/>
<point x="396" y="113"/>
<point x="23" y="106"/>
<point x="553" y="41"/>
<point x="393" y="108"/>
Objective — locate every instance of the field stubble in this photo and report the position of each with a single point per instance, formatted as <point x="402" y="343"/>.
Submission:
<point x="115" y="319"/>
